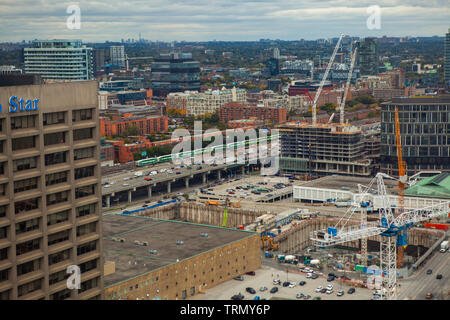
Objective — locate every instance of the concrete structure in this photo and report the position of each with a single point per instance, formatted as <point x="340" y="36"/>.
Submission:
<point x="368" y="56"/>
<point x="99" y="59"/>
<point x="161" y="259"/>
<point x="117" y="55"/>
<point x="145" y="125"/>
<point x="424" y="130"/>
<point x="59" y="60"/>
<point x="323" y="149"/>
<point x="50" y="196"/>
<point x="10" y="70"/>
<point x="447" y="58"/>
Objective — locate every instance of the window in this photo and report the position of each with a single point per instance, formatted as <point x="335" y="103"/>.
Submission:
<point x="23" y="143"/>
<point x="28" y="267"/>
<point x="2" y="167"/>
<point x="83" y="153"/>
<point x="26" y="205"/>
<point x="55" y="178"/>
<point x="93" y="283"/>
<point x="58" y="237"/>
<point x="4" y="275"/>
<point x="54" y="138"/>
<point x="84" y="191"/>
<point x="5" y="295"/>
<point x="59" y="256"/>
<point x="86" y="229"/>
<point x="24" y="185"/>
<point x="27" y="246"/>
<point x="55" y="158"/>
<point x="27" y="226"/>
<point x="58" y="197"/>
<point x="29" y="287"/>
<point x="3" y="188"/>
<point x="53" y="118"/>
<point x="25" y="164"/>
<point x="84" y="172"/>
<point x="3" y="254"/>
<point x="3" y="211"/>
<point x="3" y="232"/>
<point x="61" y="295"/>
<point x="58" y="217"/>
<point x="82" y="134"/>
<point x="88" y="266"/>
<point x="80" y="115"/>
<point x="57" y="277"/>
<point x="87" y="247"/>
<point x="23" y="122"/>
<point x="85" y="210"/>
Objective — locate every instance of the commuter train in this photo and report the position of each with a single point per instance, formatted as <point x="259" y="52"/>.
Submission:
<point x="187" y="154"/>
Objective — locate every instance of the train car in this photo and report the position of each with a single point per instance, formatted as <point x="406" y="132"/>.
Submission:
<point x="440" y="226"/>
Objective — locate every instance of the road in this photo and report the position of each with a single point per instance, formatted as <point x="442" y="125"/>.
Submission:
<point x="419" y="284"/>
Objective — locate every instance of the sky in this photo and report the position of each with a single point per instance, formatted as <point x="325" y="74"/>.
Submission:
<point x="227" y="20"/>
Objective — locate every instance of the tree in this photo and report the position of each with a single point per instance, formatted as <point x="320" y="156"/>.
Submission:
<point x="131" y="131"/>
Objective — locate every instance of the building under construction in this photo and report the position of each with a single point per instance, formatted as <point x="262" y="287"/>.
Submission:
<point x="324" y="149"/>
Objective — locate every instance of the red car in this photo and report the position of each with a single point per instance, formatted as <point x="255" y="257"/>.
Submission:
<point x="147" y="179"/>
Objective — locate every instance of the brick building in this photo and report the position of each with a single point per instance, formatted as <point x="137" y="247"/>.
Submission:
<point x="118" y="124"/>
<point x="237" y="111"/>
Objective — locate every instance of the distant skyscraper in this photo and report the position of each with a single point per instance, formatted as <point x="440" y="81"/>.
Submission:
<point x="59" y="59"/>
<point x="99" y="59"/>
<point x="276" y="53"/>
<point x="368" y="57"/>
<point x="117" y="55"/>
<point x="447" y="58"/>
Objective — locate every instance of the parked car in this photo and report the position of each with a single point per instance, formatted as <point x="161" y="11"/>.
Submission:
<point x="340" y="293"/>
<point x="317" y="298"/>
<point x="273" y="290"/>
<point x="309" y="275"/>
<point x="250" y="290"/>
<point x="351" y="290"/>
<point x="439" y="276"/>
<point x="302" y="283"/>
<point x="237" y="297"/>
<point x="240" y="278"/>
<point x="263" y="288"/>
<point x="429" y="271"/>
<point x="323" y="290"/>
<point x="306" y="296"/>
<point x="257" y="298"/>
<point x="299" y="295"/>
<point x="330" y="279"/>
<point x="286" y="284"/>
<point x="319" y="288"/>
<point x="292" y="285"/>
<point x="251" y="273"/>
<point x="429" y="295"/>
<point x="314" y="276"/>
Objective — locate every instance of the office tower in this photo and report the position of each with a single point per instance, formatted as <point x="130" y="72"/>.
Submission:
<point x="99" y="59"/>
<point x="424" y="131"/>
<point x="276" y="53"/>
<point x="117" y="55"/>
<point x="273" y="66"/>
<point x="368" y="57"/>
<point x="50" y="191"/>
<point x="175" y="72"/>
<point x="447" y="59"/>
<point x="59" y="60"/>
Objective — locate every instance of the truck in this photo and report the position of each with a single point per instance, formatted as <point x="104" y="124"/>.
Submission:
<point x="138" y="174"/>
<point x="444" y="246"/>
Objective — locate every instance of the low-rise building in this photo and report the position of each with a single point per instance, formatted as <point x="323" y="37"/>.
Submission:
<point x="237" y="111"/>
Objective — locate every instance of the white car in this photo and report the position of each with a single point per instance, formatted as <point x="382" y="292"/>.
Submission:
<point x="319" y="288"/>
<point x="292" y="285"/>
<point x="276" y="281"/>
<point x="127" y="178"/>
<point x="309" y="275"/>
<point x="340" y="293"/>
<point x="330" y="287"/>
<point x="107" y="186"/>
<point x="126" y="184"/>
<point x="330" y="291"/>
<point x="263" y="288"/>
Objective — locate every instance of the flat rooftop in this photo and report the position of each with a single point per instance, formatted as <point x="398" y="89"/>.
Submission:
<point x="132" y="260"/>
<point x="337" y="182"/>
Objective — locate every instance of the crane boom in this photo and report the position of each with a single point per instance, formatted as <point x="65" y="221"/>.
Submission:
<point x="347" y="84"/>
<point x="319" y="90"/>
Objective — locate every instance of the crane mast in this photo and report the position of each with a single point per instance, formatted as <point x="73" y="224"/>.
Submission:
<point x="347" y="84"/>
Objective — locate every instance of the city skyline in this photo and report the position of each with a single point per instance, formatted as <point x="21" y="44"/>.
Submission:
<point x="200" y="20"/>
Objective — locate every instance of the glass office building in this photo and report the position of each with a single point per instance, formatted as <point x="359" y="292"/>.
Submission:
<point x="59" y="60"/>
<point x="424" y="131"/>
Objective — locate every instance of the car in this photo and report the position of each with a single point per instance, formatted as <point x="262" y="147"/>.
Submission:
<point x="250" y="290"/>
<point x="107" y="186"/>
<point x="263" y="288"/>
<point x="274" y="290"/>
<point x="276" y="281"/>
<point x="329" y="291"/>
<point x="317" y="298"/>
<point x="330" y="287"/>
<point x="126" y="184"/>
<point x="340" y="293"/>
<point x="178" y="173"/>
<point x="429" y="271"/>
<point x="323" y="290"/>
<point x="286" y="284"/>
<point x="251" y="273"/>
<point x="314" y="276"/>
<point x="292" y="285"/>
<point x="309" y="275"/>
<point x="319" y="288"/>
<point x="126" y="179"/>
<point x="306" y="296"/>
<point x="429" y="295"/>
<point x="240" y="278"/>
<point x="330" y="279"/>
<point x="332" y="275"/>
<point x="299" y="295"/>
<point x="144" y="206"/>
<point x="351" y="290"/>
<point x="302" y="283"/>
<point x="376" y="297"/>
<point x="147" y="179"/>
<point x="257" y="298"/>
<point x="237" y="297"/>
<point x="439" y="276"/>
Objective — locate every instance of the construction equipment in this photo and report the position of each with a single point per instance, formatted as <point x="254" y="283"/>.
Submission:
<point x="319" y="90"/>
<point x="401" y="245"/>
<point x="212" y="203"/>
<point x="225" y="213"/>
<point x="389" y="226"/>
<point x="341" y="103"/>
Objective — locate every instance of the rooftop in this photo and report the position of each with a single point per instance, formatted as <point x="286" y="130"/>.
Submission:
<point x="436" y="186"/>
<point x="132" y="260"/>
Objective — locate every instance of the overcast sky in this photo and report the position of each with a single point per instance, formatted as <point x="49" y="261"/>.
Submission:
<point x="204" y="20"/>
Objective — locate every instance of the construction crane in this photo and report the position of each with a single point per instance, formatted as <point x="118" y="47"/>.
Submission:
<point x="347" y="84"/>
<point x="401" y="189"/>
<point x="324" y="78"/>
<point x="389" y="226"/>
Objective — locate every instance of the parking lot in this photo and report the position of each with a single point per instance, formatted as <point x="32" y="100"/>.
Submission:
<point x="265" y="276"/>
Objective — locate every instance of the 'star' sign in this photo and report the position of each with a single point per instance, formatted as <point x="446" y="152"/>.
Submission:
<point x="16" y="104"/>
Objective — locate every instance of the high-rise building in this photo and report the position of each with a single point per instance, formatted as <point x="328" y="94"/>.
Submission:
<point x="175" y="72"/>
<point x="59" y="60"/>
<point x="424" y="131"/>
<point x="368" y="57"/>
<point x="99" y="59"/>
<point x="50" y="191"/>
<point x="276" y="53"/>
<point x="447" y="58"/>
<point x="117" y="55"/>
